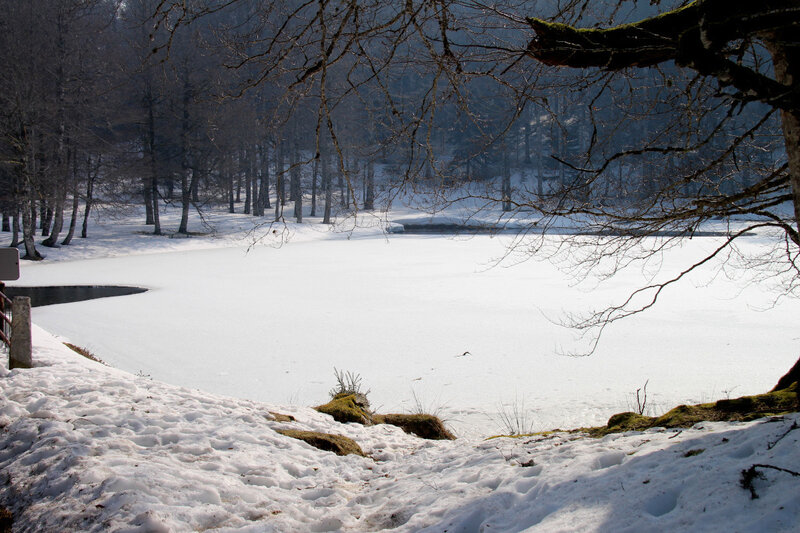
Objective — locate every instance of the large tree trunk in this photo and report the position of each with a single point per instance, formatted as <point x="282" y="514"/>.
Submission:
<point x="791" y="377"/>
<point x="786" y="60"/>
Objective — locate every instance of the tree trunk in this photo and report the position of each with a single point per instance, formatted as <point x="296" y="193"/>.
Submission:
<point x="231" y="199"/>
<point x="506" y="186"/>
<point x="156" y="216"/>
<point x="152" y="183"/>
<point x="297" y="189"/>
<point x="147" y="191"/>
<point x="15" y="228"/>
<point x="263" y="176"/>
<point x="328" y="187"/>
<point x="29" y="230"/>
<point x="341" y="169"/>
<point x="314" y="172"/>
<point x="281" y="174"/>
<point x="369" y="194"/>
<point x="786" y="60"/>
<point x="186" y="166"/>
<point x="195" y="186"/>
<point x="76" y="200"/>
<point x="46" y="217"/>
<point x="90" y="197"/>
<point x="248" y="180"/>
<point x="58" y="215"/>
<point x="186" y="197"/>
<point x="791" y="377"/>
<point x="280" y="194"/>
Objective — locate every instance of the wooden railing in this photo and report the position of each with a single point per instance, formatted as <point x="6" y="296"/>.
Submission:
<point x="5" y="316"/>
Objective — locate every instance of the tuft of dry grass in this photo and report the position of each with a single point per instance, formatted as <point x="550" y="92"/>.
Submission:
<point x="84" y="352"/>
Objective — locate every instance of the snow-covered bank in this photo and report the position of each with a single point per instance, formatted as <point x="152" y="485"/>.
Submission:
<point x="85" y="447"/>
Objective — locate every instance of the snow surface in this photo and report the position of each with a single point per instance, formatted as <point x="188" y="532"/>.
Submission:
<point x="179" y="436"/>
<point x="85" y="447"/>
<point x="269" y="320"/>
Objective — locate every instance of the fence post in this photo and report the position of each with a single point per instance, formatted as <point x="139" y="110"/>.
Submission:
<point x="20" y="355"/>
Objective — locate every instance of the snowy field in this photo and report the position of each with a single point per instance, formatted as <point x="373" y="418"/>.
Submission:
<point x="270" y="324"/>
<point x="90" y="448"/>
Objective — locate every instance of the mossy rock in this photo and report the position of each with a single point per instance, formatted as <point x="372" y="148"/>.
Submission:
<point x="421" y="425"/>
<point x="338" y="444"/>
<point x="346" y="408"/>
<point x="732" y="410"/>
<point x="629" y="422"/>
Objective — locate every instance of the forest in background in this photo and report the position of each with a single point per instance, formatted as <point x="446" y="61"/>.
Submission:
<point x="274" y="107"/>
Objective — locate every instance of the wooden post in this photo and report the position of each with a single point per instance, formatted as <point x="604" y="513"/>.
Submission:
<point x="20" y="355"/>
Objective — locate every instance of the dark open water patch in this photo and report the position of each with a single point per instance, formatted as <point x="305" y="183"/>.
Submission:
<point x="466" y="229"/>
<point x="69" y="293"/>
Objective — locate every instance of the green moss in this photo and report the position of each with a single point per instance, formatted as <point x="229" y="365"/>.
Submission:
<point x="668" y="17"/>
<point x="421" y="425"/>
<point x="629" y="422"/>
<point x="736" y="409"/>
<point x="345" y="408"/>
<point x="692" y="453"/>
<point x="338" y="444"/>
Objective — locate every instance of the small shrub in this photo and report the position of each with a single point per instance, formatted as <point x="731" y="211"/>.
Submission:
<point x="347" y="383"/>
<point x="515" y="419"/>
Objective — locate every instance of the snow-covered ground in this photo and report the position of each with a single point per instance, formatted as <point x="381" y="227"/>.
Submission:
<point x="177" y="435"/>
<point x="85" y="447"/>
<point x="270" y="324"/>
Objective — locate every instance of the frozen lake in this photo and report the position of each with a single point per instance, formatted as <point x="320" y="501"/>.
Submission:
<point x="401" y="310"/>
